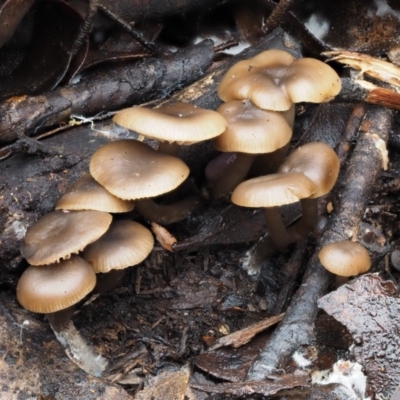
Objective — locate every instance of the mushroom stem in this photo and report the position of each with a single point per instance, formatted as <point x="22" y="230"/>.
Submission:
<point x="108" y="281"/>
<point x="169" y="148"/>
<point x="279" y="234"/>
<point x="75" y="346"/>
<point x="309" y="218"/>
<point x="265" y="164"/>
<point x="167" y="214"/>
<point x="234" y="174"/>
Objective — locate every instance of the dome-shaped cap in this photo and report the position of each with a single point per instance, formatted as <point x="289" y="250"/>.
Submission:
<point x="251" y="130"/>
<point x="132" y="170"/>
<point x="87" y="194"/>
<point x="125" y="244"/>
<point x="184" y="123"/>
<point x="345" y="258"/>
<point x="50" y="288"/>
<point x="311" y="80"/>
<point x="316" y="160"/>
<point x="58" y="234"/>
<point x="273" y="190"/>
<point x="258" y="79"/>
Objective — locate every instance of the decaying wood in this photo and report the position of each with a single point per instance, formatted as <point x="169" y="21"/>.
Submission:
<point x="353" y="191"/>
<point x="243" y="336"/>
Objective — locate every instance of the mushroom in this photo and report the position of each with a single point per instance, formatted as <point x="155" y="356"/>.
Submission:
<point x="54" y="290"/>
<point x="87" y="194"/>
<point x="344" y="259"/>
<point x="173" y="124"/>
<point x="58" y="234"/>
<point x="271" y="192"/>
<point x="274" y="80"/>
<point x="132" y="170"/>
<point x="318" y="162"/>
<point x="251" y="131"/>
<point x="125" y="244"/>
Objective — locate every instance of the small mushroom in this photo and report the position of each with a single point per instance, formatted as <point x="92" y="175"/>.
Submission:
<point x="344" y="259"/>
<point x="318" y="162"/>
<point x="58" y="234"/>
<point x="271" y="192"/>
<point x="173" y="124"/>
<point x="54" y="290"/>
<point x="126" y="243"/>
<point x="132" y="170"/>
<point x="87" y="194"/>
<point x="250" y="132"/>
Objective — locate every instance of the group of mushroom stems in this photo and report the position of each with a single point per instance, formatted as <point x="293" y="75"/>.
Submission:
<point x="252" y="129"/>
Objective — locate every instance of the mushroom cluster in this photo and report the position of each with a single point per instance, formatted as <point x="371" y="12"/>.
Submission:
<point x="68" y="247"/>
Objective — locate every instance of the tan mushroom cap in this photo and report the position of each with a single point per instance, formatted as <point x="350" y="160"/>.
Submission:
<point x="318" y="161"/>
<point x="50" y="288"/>
<point x="258" y="79"/>
<point x="183" y="123"/>
<point x="345" y="258"/>
<point x="311" y="80"/>
<point x="251" y="130"/>
<point x="87" y="194"/>
<point x="125" y="244"/>
<point x="58" y="234"/>
<point x="273" y="190"/>
<point x="132" y="170"/>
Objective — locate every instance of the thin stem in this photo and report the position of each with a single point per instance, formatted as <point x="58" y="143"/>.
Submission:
<point x="235" y="173"/>
<point x="309" y="218"/>
<point x="167" y="214"/>
<point x="169" y="148"/>
<point x="108" y="281"/>
<point x="276" y="228"/>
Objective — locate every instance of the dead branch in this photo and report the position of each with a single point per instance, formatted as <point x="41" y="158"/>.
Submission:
<point x="353" y="191"/>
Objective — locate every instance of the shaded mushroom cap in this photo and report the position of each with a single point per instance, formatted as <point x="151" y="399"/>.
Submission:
<point x="125" y="244"/>
<point x="252" y="130"/>
<point x="316" y="160"/>
<point x="87" y="194"/>
<point x="273" y="190"/>
<point x="50" y="288"/>
<point x="183" y="123"/>
<point x="58" y="234"/>
<point x="311" y="80"/>
<point x="345" y="258"/>
<point x="132" y="170"/>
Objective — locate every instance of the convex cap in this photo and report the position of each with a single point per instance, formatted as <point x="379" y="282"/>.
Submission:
<point x="345" y="258"/>
<point x="87" y="194"/>
<point x="252" y="130"/>
<point x="132" y="170"/>
<point x="274" y="80"/>
<point x="58" y="234"/>
<point x="125" y="244"/>
<point x="273" y="190"/>
<point x="318" y="162"/>
<point x="183" y="123"/>
<point x="50" y="288"/>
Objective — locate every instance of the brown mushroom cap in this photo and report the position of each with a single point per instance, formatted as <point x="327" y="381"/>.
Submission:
<point x="132" y="170"/>
<point x="125" y="244"/>
<point x="58" y="234"/>
<point x="183" y="123"/>
<point x="273" y="190"/>
<point x="316" y="160"/>
<point x="311" y="80"/>
<point x="251" y="130"/>
<point x="50" y="288"/>
<point x="345" y="258"/>
<point x="87" y="194"/>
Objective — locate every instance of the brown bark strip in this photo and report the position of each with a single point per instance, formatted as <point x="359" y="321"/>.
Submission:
<point x="104" y="90"/>
<point x="354" y="189"/>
